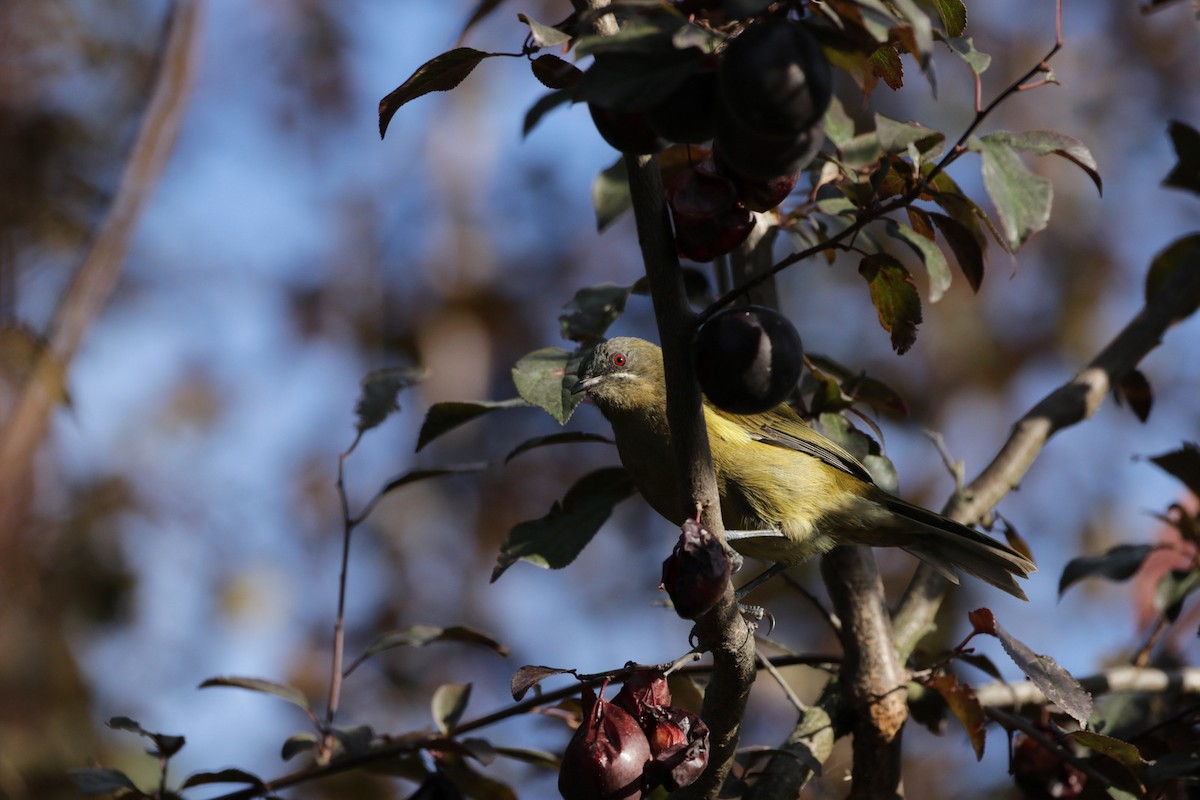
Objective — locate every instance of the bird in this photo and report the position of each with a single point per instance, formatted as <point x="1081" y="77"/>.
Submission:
<point x="787" y="492"/>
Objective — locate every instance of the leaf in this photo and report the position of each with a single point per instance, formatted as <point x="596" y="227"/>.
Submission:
<point x="1044" y="143"/>
<point x="967" y="248"/>
<point x="445" y="417"/>
<point x="964" y="47"/>
<point x="416" y="475"/>
<point x="165" y="744"/>
<point x="553" y="541"/>
<point x="896" y="136"/>
<point x="695" y="286"/>
<point x="555" y="73"/>
<point x="356" y="740"/>
<point x="886" y="63"/>
<point x="1055" y="682"/>
<point x="1185" y="174"/>
<point x="103" y="781"/>
<point x="591" y="311"/>
<point x="298" y="743"/>
<point x="544" y="379"/>
<point x="1116" y="564"/>
<point x="544" y="35"/>
<point x="1117" y="749"/>
<point x="280" y="690"/>
<point x="439" y="74"/>
<point x="1183" y="253"/>
<point x="544" y="104"/>
<point x="929" y="253"/>
<point x="610" y="194"/>
<point x="1022" y="199"/>
<point x="421" y="635"/>
<point x="380" y="389"/>
<point x="538" y="758"/>
<point x="636" y="81"/>
<point x="1137" y="391"/>
<point x="954" y="16"/>
<point x="566" y="437"/>
<point x="895" y="298"/>
<point x="530" y="675"/>
<point x="222" y="776"/>
<point x="961" y="699"/>
<point x="448" y="704"/>
<point x="1173" y="588"/>
<point x="981" y="663"/>
<point x="1183" y="464"/>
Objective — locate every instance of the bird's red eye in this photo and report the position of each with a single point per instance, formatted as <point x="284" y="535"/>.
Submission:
<point x="618" y="359"/>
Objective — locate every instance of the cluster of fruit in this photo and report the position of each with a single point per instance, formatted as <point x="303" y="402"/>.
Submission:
<point x="761" y="102"/>
<point x="634" y="744"/>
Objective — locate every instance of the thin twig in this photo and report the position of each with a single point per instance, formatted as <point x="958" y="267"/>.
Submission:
<point x="784" y="685"/>
<point x="336" y="676"/>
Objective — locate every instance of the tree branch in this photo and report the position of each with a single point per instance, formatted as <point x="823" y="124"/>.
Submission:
<point x="1116" y="680"/>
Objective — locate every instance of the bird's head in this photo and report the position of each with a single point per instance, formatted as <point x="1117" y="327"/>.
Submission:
<point x="624" y="374"/>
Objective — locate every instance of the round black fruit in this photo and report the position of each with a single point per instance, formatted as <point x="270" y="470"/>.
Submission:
<point x="627" y="131"/>
<point x="688" y="114"/>
<point x="748" y="359"/>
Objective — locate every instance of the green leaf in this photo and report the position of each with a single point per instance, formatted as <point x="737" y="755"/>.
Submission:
<point x="1183" y="464"/>
<point x="1116" y="564"/>
<point x="929" y="253"/>
<point x="1022" y="199"/>
<point x="566" y="437"/>
<point x="222" y="776"/>
<point x="296" y="744"/>
<point x="964" y="47"/>
<point x="543" y="105"/>
<point x="103" y="781"/>
<point x="439" y="74"/>
<point x="544" y="379"/>
<point x="1055" y="682"/>
<point x="445" y="417"/>
<point x="380" y="390"/>
<point x="1044" y="143"/>
<point x="895" y="298"/>
<point x="356" y="740"/>
<point x="1117" y="749"/>
<point x="920" y="31"/>
<point x="591" y="311"/>
<point x="421" y="635"/>
<point x="448" y="704"/>
<point x="610" y="194"/>
<point x="413" y="476"/>
<point x="895" y="136"/>
<point x="1183" y="253"/>
<point x="967" y="248"/>
<point x="1186" y="173"/>
<point x="886" y="63"/>
<point x="544" y="35"/>
<point x="961" y="699"/>
<point x="954" y="16"/>
<point x="553" y="541"/>
<point x="280" y="690"/>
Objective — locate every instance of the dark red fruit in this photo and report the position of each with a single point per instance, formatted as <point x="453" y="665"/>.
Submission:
<point x="643" y="690"/>
<point x="627" y="131"/>
<point x="679" y="742"/>
<point x="606" y="757"/>
<point x="758" y="194"/>
<point x="696" y="574"/>
<point x="709" y="220"/>
<point x="688" y="115"/>
<point x="774" y="77"/>
<point x="761" y="156"/>
<point x="748" y="359"/>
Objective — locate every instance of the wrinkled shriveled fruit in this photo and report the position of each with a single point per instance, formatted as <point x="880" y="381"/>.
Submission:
<point x="696" y="574"/>
<point x="709" y="221"/>
<point x="607" y="755"/>
<point x="679" y="744"/>
<point x="627" y="131"/>
<point x="643" y="690"/>
<point x="747" y="359"/>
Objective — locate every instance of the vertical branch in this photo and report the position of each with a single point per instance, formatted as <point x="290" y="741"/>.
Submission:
<point x="97" y="276"/>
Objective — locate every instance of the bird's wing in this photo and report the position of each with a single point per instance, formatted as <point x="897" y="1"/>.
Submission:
<point x="782" y="428"/>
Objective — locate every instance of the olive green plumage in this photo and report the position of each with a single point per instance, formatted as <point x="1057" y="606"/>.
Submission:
<point x="776" y="473"/>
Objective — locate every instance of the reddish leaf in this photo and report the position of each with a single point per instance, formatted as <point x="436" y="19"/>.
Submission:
<point x="895" y="298"/>
<point x="983" y="621"/>
<point x="961" y="699"/>
<point x="530" y="675"/>
<point x="439" y="74"/>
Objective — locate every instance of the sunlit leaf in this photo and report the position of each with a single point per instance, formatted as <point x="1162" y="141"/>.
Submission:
<point x="895" y="298"/>
<point x="448" y="704"/>
<point x="1044" y="143"/>
<point x="930" y="254"/>
<point x="1117" y="749"/>
<point x="886" y="64"/>
<point x="1186" y="173"/>
<point x="1183" y="464"/>
<point x="964" y="47"/>
<point x="544" y="379"/>
<point x="965" y="706"/>
<point x="554" y="540"/>
<point x="566" y="437"/>
<point x="896" y="136"/>
<point x="1022" y="199"/>
<point x="610" y="194"/>
<point x="954" y="16"/>
<point x="531" y="675"/>
<point x="1116" y="564"/>
<point x="439" y="74"/>
<point x="380" y="389"/>
<point x="544" y="35"/>
<point x="280" y="690"/>
<point x="445" y="417"/>
<point x="298" y="743"/>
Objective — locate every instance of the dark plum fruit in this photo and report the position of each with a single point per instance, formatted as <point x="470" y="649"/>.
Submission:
<point x="761" y="194"/>
<point x="688" y="114"/>
<point x="762" y="156"/>
<point x="748" y="359"/>
<point x="709" y="221"/>
<point x="606" y="757"/>
<point x="774" y="77"/>
<point x="627" y="131"/>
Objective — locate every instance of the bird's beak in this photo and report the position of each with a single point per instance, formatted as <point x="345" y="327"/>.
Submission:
<point x="584" y="385"/>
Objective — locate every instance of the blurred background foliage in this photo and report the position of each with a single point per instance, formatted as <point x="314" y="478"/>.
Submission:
<point x="180" y="520"/>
